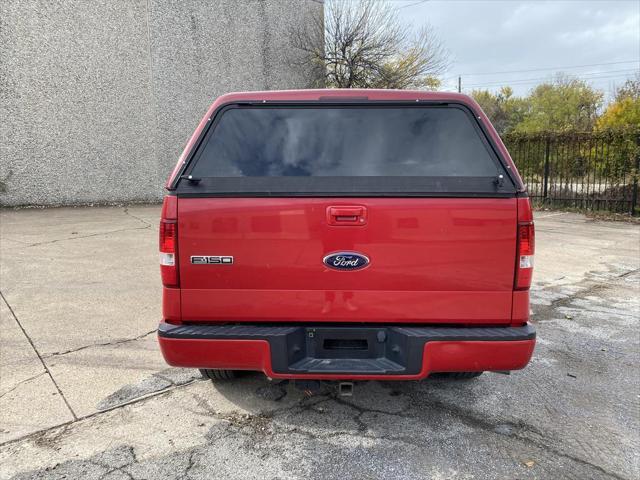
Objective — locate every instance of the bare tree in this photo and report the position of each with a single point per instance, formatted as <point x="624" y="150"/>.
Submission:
<point x="366" y="46"/>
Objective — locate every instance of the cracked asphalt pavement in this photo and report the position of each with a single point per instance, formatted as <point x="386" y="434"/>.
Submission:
<point x="84" y="392"/>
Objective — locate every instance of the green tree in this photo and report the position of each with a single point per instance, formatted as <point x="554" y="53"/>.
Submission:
<point x="630" y="89"/>
<point x="503" y="109"/>
<point x="620" y="122"/>
<point x="560" y="105"/>
<point x="624" y="111"/>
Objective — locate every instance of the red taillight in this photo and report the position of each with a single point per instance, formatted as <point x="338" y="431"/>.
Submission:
<point x="169" y="243"/>
<point x="525" y="246"/>
<point x="526" y="238"/>
<point x="167" y="237"/>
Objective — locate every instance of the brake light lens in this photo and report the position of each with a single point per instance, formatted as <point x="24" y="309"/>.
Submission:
<point x="526" y="236"/>
<point x="168" y="236"/>
<point x="525" y="245"/>
<point x="526" y="248"/>
<point x="167" y="243"/>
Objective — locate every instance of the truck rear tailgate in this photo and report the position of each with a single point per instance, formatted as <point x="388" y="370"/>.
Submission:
<point x="432" y="260"/>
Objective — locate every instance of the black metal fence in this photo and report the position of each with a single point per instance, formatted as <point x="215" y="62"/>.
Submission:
<point x="591" y="171"/>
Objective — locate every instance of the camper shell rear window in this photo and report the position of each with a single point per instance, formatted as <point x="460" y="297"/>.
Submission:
<point x="345" y="149"/>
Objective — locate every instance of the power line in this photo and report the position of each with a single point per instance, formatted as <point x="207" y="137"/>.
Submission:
<point x="550" y="68"/>
<point x="412" y="4"/>
<point x="542" y="79"/>
<point x="590" y="80"/>
<point x="582" y="76"/>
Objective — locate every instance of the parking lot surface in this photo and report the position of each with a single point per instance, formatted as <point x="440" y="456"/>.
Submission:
<point x="84" y="392"/>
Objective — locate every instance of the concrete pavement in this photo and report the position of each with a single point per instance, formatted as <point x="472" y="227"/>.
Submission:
<point x="85" y="393"/>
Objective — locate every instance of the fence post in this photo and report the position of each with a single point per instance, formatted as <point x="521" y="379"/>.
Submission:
<point x="545" y="187"/>
<point x="636" y="173"/>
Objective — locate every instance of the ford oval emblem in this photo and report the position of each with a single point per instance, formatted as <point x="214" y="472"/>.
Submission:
<point x="346" y="261"/>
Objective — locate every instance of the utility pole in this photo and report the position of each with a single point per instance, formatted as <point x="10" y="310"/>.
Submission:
<point x="459" y="84"/>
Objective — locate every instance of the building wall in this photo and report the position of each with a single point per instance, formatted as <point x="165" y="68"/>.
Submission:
<point x="98" y="98"/>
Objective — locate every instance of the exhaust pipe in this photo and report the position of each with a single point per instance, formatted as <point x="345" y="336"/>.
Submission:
<point x="345" y="389"/>
<point x="309" y="387"/>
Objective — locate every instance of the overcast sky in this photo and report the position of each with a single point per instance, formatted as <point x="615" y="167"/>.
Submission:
<point x="484" y="37"/>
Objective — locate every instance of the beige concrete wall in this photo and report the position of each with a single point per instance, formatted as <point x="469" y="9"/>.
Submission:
<point x="98" y="98"/>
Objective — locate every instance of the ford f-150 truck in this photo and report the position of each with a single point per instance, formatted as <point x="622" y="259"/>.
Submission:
<point x="346" y="235"/>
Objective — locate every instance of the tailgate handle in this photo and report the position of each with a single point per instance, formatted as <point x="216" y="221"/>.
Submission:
<point x="347" y="215"/>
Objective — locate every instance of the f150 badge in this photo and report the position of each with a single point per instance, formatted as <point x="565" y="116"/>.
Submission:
<point x="346" y="261"/>
<point x="211" y="260"/>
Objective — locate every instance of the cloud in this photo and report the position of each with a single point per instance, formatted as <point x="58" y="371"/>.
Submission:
<point x="496" y="36"/>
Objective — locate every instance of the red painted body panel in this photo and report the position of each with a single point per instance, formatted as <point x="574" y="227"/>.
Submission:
<point x="520" y="312"/>
<point x="433" y="260"/>
<point x="255" y="355"/>
<point x="171" y="311"/>
<point x="230" y="354"/>
<point x="325" y="305"/>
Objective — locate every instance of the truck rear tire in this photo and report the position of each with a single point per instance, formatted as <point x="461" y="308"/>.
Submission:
<point x="217" y="375"/>
<point x="462" y="375"/>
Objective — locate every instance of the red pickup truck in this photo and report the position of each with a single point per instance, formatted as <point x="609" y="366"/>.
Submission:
<point x="346" y="235"/>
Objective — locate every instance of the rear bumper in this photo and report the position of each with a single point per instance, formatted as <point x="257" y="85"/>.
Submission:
<point x="347" y="352"/>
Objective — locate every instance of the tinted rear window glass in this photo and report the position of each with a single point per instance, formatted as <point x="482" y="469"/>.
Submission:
<point x="345" y="142"/>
